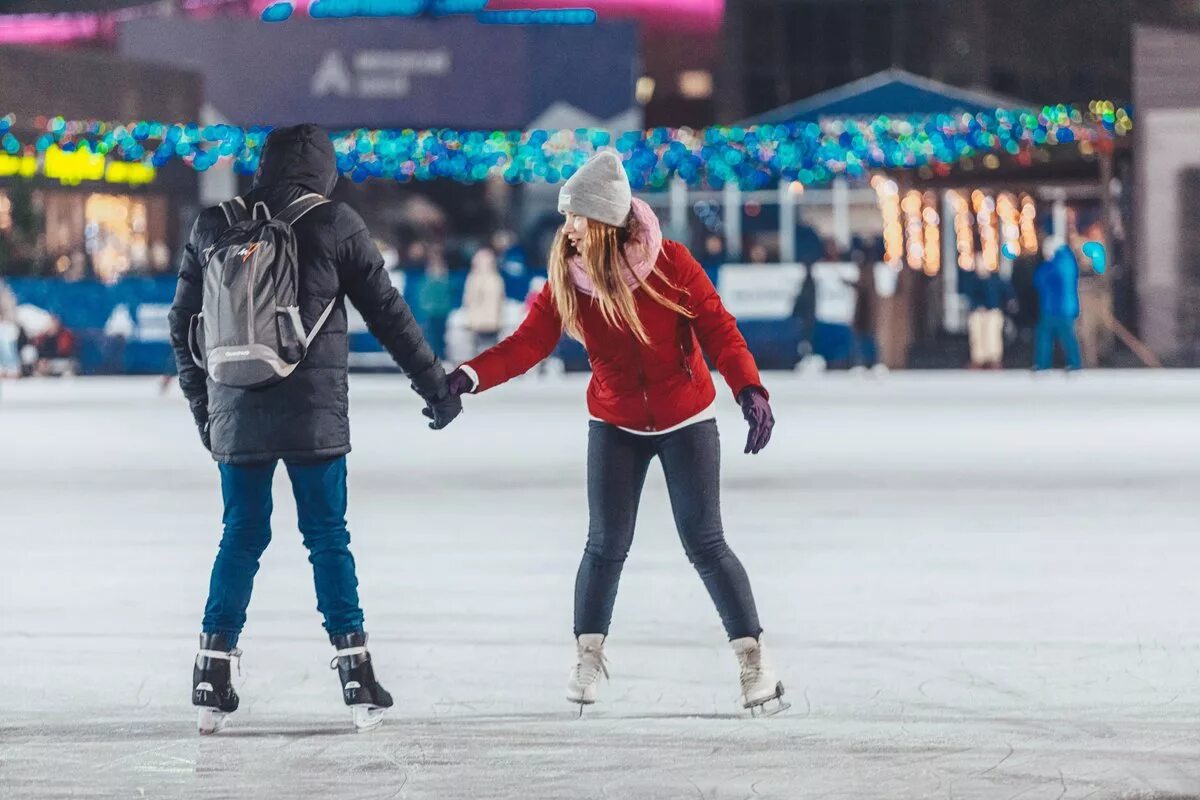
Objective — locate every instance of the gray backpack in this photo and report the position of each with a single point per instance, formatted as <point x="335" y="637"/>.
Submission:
<point x="248" y="333"/>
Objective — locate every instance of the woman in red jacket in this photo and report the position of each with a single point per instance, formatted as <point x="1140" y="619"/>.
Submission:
<point x="641" y="306"/>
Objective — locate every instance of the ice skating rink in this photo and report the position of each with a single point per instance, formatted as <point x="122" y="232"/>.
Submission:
<point x="973" y="586"/>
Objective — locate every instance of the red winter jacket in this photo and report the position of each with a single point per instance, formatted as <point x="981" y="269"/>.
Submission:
<point x="635" y="386"/>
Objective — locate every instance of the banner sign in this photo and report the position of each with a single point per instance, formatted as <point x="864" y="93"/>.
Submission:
<point x="123" y="328"/>
<point x="404" y="73"/>
<point x="760" y="291"/>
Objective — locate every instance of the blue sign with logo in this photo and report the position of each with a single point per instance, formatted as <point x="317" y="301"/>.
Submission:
<point x="452" y="72"/>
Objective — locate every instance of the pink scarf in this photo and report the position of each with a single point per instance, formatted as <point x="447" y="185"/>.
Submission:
<point x="641" y="253"/>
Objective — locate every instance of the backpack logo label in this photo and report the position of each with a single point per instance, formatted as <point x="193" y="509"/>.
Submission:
<point x="248" y="251"/>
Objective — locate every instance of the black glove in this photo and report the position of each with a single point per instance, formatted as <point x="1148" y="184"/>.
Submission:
<point x="441" y="404"/>
<point x="442" y="411"/>
<point x="204" y="435"/>
<point x="430" y="382"/>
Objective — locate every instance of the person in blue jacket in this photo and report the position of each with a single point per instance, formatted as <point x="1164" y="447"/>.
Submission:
<point x="1057" y="283"/>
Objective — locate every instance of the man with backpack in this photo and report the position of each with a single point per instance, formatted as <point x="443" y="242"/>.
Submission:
<point x="258" y="327"/>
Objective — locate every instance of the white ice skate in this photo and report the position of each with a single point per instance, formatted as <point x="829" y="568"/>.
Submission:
<point x="759" y="685"/>
<point x="584" y="679"/>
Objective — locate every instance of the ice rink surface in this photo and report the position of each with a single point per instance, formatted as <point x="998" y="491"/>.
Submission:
<point x="973" y="586"/>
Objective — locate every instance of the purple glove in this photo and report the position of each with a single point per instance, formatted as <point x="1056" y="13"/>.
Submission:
<point x="459" y="382"/>
<point x="757" y="412"/>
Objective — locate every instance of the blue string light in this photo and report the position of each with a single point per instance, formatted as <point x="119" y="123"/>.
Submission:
<point x="752" y="158"/>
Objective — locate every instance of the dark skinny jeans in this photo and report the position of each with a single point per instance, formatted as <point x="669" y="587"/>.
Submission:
<point x="617" y="466"/>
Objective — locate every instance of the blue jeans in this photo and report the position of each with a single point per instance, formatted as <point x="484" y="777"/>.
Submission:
<point x="866" y="352"/>
<point x="1054" y="328"/>
<point x="320" y="491"/>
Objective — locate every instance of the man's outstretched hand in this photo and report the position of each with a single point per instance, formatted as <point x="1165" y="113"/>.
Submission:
<point x="442" y="412"/>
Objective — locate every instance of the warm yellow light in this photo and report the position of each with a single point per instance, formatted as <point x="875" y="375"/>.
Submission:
<point x="915" y="250"/>
<point x="644" y="90"/>
<point x="1010" y="222"/>
<point x="985" y="222"/>
<point x="887" y="195"/>
<point x="696" y="84"/>
<point x="1029" y="238"/>
<point x="963" y="235"/>
<point x="933" y="235"/>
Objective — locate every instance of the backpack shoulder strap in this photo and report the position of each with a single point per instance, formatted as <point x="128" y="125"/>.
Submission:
<point x="235" y="210"/>
<point x="301" y="206"/>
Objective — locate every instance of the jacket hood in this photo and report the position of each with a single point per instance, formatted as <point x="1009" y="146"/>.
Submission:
<point x="301" y="155"/>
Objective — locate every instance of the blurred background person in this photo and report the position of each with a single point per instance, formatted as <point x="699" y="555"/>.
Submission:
<point x="804" y="313"/>
<point x="55" y="350"/>
<point x="483" y="300"/>
<point x="435" y="301"/>
<point x="10" y="360"/>
<point x="1057" y="282"/>
<point x="509" y="253"/>
<point x="989" y="295"/>
<point x="714" y="253"/>
<point x="865" y="353"/>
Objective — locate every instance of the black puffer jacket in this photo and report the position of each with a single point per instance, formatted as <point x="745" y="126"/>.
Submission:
<point x="303" y="417"/>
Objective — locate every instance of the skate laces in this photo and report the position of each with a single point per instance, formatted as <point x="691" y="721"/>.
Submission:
<point x="751" y="667"/>
<point x="347" y="653"/>
<point x="233" y="656"/>
<point x="590" y="666"/>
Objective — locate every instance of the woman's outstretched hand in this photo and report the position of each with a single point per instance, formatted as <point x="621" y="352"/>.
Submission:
<point x="459" y="382"/>
<point x="757" y="412"/>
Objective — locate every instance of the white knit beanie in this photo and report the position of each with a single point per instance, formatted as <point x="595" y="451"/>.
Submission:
<point x="599" y="191"/>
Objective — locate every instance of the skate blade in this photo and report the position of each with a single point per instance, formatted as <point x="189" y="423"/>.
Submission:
<point x="769" y="706"/>
<point x="366" y="717"/>
<point x="582" y="705"/>
<point x="210" y="720"/>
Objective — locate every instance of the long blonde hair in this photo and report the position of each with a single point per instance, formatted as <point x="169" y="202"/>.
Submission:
<point x="605" y="265"/>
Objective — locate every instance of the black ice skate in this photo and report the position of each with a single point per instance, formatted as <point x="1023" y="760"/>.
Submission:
<point x="212" y="682"/>
<point x="366" y="698"/>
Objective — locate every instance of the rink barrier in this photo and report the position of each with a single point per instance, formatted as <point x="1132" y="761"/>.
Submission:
<point x="122" y="328"/>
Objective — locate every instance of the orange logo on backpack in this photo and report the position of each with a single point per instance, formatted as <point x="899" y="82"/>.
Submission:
<point x="249" y="250"/>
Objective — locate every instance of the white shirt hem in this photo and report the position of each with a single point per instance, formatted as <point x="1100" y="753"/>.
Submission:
<point x="703" y="416"/>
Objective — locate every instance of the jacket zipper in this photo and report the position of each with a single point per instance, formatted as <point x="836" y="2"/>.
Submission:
<point x="642" y="382"/>
<point x="250" y="297"/>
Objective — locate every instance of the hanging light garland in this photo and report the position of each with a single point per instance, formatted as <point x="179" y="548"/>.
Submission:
<point x="914" y="251"/>
<point x="812" y="153"/>
<point x="888" y="195"/>
<point x="1010" y="225"/>
<point x="963" y="232"/>
<point x="932" y="234"/>
<point x="1029" y="234"/>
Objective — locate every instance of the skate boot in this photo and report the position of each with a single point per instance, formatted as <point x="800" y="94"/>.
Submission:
<point x="366" y="698"/>
<point x="212" y="682"/>
<point x="759" y="685"/>
<point x="584" y="679"/>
